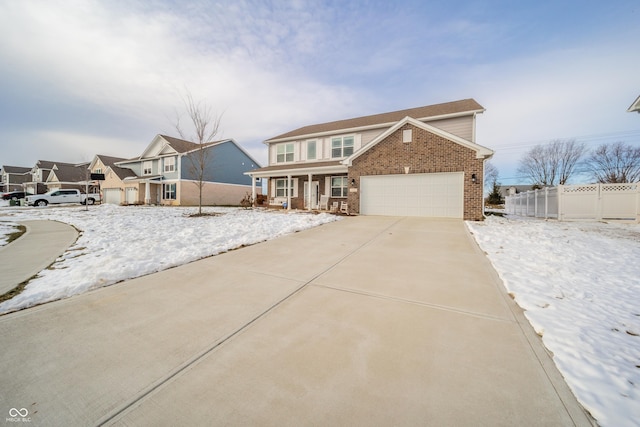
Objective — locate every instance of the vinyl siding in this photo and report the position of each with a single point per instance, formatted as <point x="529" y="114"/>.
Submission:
<point x="459" y="126"/>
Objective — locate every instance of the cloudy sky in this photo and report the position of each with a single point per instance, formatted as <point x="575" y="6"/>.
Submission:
<point x="86" y="77"/>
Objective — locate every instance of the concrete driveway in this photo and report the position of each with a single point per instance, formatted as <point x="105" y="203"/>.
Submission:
<point x="367" y="321"/>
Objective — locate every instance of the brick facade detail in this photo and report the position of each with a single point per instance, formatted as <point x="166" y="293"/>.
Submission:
<point x="426" y="153"/>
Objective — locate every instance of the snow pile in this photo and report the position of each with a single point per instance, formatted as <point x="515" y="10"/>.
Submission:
<point x="580" y="286"/>
<point x="118" y="243"/>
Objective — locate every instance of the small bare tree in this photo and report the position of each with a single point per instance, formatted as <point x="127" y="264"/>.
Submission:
<point x="614" y="163"/>
<point x="492" y="186"/>
<point x="205" y="124"/>
<point x="552" y="164"/>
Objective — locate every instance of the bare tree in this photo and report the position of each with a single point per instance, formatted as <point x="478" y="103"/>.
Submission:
<point x="490" y="175"/>
<point x="205" y="125"/>
<point x="614" y="163"/>
<point x="552" y="164"/>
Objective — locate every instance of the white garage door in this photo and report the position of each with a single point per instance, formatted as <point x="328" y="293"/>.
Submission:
<point x="112" y="195"/>
<point x="429" y="194"/>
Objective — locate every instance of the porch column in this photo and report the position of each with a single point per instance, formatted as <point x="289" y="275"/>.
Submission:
<point x="147" y="193"/>
<point x="253" y="191"/>
<point x="309" y="192"/>
<point x="288" y="192"/>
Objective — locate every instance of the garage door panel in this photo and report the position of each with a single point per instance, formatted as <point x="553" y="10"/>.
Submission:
<point x="112" y="196"/>
<point x="432" y="195"/>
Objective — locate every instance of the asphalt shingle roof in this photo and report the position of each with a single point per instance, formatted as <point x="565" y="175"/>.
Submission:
<point x="391" y="117"/>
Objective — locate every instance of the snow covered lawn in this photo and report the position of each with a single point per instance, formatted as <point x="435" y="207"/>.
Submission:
<point x="118" y="243"/>
<point x="6" y="228"/>
<point x="579" y="283"/>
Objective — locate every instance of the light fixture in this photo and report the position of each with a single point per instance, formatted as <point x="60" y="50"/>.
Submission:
<point x="353" y="182"/>
<point x="473" y="178"/>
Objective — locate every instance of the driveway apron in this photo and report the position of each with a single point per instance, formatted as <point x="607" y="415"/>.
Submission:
<point x="365" y="321"/>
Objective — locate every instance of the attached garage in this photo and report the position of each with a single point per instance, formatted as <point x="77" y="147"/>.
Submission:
<point x="427" y="194"/>
<point x="112" y="195"/>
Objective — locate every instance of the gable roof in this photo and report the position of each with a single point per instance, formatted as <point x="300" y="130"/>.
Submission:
<point x="70" y="173"/>
<point x="447" y="109"/>
<point x="16" y="169"/>
<point x="182" y="146"/>
<point x="481" y="152"/>
<point x="635" y="106"/>
<point x="109" y="160"/>
<point x="48" y="164"/>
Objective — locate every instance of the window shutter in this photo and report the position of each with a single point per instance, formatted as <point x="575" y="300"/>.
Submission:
<point x="296" y="151"/>
<point x="295" y="187"/>
<point x="327" y="186"/>
<point x="357" y="142"/>
<point x="272" y="154"/>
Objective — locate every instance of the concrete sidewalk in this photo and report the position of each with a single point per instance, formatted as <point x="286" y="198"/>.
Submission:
<point x="34" y="251"/>
<point x="367" y="321"/>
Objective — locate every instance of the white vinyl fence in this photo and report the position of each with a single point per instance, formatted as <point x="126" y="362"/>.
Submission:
<point x="590" y="201"/>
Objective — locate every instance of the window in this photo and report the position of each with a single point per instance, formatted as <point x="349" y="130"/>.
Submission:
<point x="99" y="170"/>
<point x="311" y="150"/>
<point x="341" y="146"/>
<point x="169" y="191"/>
<point x="169" y="164"/>
<point x="284" y="153"/>
<point x="407" y="135"/>
<point x="339" y="187"/>
<point x="146" y="168"/>
<point x="281" y="187"/>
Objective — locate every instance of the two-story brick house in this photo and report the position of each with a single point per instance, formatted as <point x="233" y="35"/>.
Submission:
<point x="416" y="162"/>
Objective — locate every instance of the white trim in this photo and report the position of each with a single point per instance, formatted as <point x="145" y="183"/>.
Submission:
<point x="369" y="127"/>
<point x="635" y="106"/>
<point x="481" y="152"/>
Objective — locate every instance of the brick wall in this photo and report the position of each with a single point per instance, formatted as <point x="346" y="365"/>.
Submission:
<point x="426" y="153"/>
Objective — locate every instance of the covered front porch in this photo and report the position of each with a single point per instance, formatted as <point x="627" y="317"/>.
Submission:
<point x="309" y="187"/>
<point x="147" y="190"/>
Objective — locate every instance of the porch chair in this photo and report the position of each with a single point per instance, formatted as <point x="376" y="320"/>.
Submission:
<point x="334" y="207"/>
<point x="324" y="203"/>
<point x="344" y="208"/>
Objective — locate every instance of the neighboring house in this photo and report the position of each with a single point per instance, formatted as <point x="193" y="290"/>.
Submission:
<point x="68" y="176"/>
<point x="13" y="178"/>
<point x="165" y="173"/>
<point x="40" y="174"/>
<point x="635" y="106"/>
<point x="113" y="187"/>
<point x="417" y="162"/>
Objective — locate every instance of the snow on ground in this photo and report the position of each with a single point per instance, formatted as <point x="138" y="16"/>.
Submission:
<point x="118" y="243"/>
<point x="7" y="228"/>
<point x="579" y="283"/>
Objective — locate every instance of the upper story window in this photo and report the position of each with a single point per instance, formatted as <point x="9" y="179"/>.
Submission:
<point x="341" y="146"/>
<point x="98" y="170"/>
<point x="311" y="150"/>
<point x="146" y="167"/>
<point x="169" y="164"/>
<point x="284" y="153"/>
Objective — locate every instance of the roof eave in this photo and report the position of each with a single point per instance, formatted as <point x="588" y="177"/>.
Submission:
<point x="635" y="107"/>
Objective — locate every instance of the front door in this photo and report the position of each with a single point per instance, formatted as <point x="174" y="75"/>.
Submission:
<point x="315" y="187"/>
